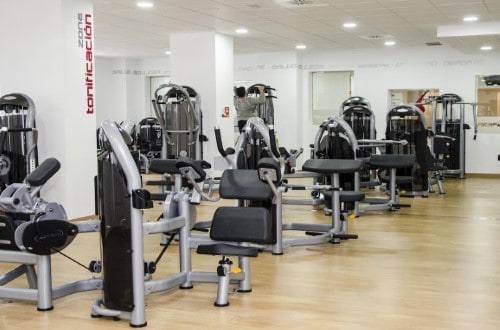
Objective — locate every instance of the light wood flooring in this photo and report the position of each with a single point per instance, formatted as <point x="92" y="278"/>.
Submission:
<point x="435" y="265"/>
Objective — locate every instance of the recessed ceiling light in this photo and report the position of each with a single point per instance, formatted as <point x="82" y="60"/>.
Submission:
<point x="301" y="46"/>
<point x="350" y="25"/>
<point x="390" y="43"/>
<point x="167" y="52"/>
<point x="487" y="47"/>
<point x="470" y="18"/>
<point x="241" y="30"/>
<point x="145" y="4"/>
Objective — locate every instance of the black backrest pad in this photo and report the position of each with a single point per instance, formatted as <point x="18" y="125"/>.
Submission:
<point x="241" y="224"/>
<point x="43" y="172"/>
<point x="269" y="163"/>
<point x="244" y="184"/>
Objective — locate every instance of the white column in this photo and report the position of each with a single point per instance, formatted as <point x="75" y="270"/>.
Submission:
<point x="204" y="61"/>
<point x="47" y="53"/>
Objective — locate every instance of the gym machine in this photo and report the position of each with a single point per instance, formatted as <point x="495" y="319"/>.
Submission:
<point x="407" y="123"/>
<point x="335" y="139"/>
<point x="179" y="114"/>
<point x="127" y="277"/>
<point x="149" y="142"/>
<point x="492" y="80"/>
<point x="357" y="112"/>
<point x="265" y="110"/>
<point x="31" y="230"/>
<point x="270" y="170"/>
<point x="18" y="152"/>
<point x="448" y="119"/>
<point x="254" y="143"/>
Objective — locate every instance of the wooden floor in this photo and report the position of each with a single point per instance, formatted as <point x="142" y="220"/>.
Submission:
<point x="435" y="265"/>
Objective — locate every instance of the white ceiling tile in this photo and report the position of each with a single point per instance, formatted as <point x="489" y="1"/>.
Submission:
<point x="122" y="28"/>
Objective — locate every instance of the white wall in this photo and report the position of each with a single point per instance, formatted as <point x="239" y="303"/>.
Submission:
<point x="111" y="103"/>
<point x="123" y="86"/>
<point x="280" y="71"/>
<point x="41" y="56"/>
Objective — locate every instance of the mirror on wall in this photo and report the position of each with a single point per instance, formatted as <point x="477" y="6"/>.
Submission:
<point x="412" y="96"/>
<point x="488" y="103"/>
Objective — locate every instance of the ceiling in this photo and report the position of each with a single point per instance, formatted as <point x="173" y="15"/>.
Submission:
<point x="123" y="29"/>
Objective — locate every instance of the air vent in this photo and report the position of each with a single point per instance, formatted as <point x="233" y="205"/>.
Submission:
<point x="377" y="37"/>
<point x="300" y="3"/>
<point x="434" y="43"/>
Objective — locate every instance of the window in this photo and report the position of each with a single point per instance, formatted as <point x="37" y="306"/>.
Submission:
<point x="412" y="96"/>
<point x="329" y="90"/>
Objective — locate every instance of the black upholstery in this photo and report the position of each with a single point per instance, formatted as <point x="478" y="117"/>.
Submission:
<point x="244" y="184"/>
<point x="351" y="196"/>
<point x="227" y="250"/>
<point x="43" y="172"/>
<point x="387" y="161"/>
<point x="346" y="195"/>
<point x="7" y="229"/>
<point x="164" y="166"/>
<point x="330" y="166"/>
<point x="433" y="164"/>
<point x="236" y="224"/>
<point x="385" y="176"/>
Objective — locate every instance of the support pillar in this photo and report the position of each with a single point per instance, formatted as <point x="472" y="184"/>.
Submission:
<point x="204" y="61"/>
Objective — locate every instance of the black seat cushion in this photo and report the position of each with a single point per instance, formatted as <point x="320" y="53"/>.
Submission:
<point x="227" y="250"/>
<point x="346" y="195"/>
<point x="330" y="166"/>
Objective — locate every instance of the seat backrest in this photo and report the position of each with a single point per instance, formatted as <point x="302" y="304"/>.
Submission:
<point x="244" y="184"/>
<point x="236" y="224"/>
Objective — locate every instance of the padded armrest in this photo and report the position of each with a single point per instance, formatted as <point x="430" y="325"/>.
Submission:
<point x="43" y="172"/>
<point x="162" y="166"/>
<point x="197" y="165"/>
